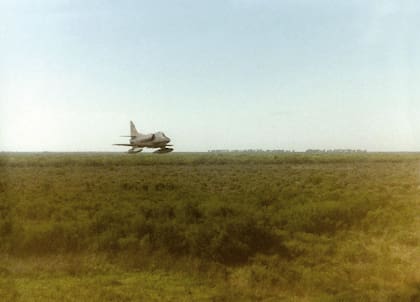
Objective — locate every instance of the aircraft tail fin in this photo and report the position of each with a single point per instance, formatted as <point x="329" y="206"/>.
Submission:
<point x="133" y="130"/>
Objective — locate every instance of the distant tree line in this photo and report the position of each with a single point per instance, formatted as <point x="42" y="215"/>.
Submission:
<point x="288" y="151"/>
<point x="335" y="151"/>
<point x="250" y="151"/>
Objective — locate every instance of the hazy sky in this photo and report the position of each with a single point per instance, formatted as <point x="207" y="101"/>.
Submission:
<point x="291" y="74"/>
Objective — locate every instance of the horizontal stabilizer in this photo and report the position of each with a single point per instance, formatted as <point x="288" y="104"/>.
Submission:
<point x="127" y="136"/>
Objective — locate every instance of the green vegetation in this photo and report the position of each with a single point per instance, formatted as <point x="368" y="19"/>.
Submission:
<point x="210" y="227"/>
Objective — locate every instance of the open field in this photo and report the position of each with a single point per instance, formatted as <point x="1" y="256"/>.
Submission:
<point x="210" y="227"/>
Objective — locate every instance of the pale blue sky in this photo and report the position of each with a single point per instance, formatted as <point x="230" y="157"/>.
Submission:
<point x="232" y="74"/>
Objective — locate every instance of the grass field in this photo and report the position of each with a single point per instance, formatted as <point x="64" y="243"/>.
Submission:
<point x="210" y="227"/>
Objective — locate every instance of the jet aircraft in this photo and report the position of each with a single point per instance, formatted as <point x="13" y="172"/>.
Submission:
<point x="138" y="141"/>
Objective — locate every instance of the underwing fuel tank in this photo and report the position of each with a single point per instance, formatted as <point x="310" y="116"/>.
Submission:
<point x="164" y="150"/>
<point x="132" y="151"/>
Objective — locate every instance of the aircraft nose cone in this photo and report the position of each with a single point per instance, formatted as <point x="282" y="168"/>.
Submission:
<point x="168" y="140"/>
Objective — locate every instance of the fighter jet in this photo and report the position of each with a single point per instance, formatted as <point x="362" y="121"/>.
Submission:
<point x="138" y="141"/>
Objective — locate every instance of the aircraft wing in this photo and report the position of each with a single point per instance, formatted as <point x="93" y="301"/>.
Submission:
<point x="127" y="145"/>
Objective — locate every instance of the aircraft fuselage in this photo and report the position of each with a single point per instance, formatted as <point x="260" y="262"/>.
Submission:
<point x="138" y="141"/>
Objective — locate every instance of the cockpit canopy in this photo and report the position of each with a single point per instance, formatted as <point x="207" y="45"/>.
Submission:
<point x="162" y="134"/>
